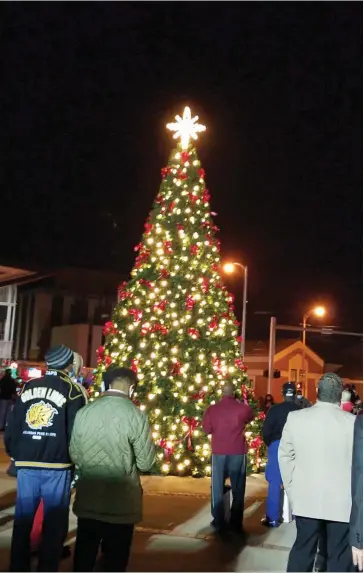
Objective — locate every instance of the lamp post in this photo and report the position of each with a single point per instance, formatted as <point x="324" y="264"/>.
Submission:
<point x="318" y="311"/>
<point x="229" y="269"/>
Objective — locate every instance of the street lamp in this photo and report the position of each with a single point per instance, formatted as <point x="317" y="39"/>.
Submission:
<point x="320" y="312"/>
<point x="229" y="268"/>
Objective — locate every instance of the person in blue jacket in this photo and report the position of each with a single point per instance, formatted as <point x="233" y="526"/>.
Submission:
<point x="272" y="433"/>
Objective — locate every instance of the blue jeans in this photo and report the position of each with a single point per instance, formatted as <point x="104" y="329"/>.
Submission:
<point x="274" y="507"/>
<point x="54" y="488"/>
<point x="233" y="467"/>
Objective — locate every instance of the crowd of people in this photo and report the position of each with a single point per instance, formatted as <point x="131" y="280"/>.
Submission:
<point x="315" y="458"/>
<point x="57" y="441"/>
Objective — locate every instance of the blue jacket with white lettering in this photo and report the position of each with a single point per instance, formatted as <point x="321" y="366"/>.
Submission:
<point x="39" y="429"/>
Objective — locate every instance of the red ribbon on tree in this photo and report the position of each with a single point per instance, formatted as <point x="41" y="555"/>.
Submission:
<point x="164" y="274"/>
<point x="214" y="323"/>
<point x="159" y="199"/>
<point x="192" y="424"/>
<point x="184" y="156"/>
<point x="201" y="173"/>
<point x="148" y="227"/>
<point x="165" y="171"/>
<point x="141" y="258"/>
<point x="194" y="332"/>
<point x="146" y="283"/>
<point x="138" y="247"/>
<point x="109" y="328"/>
<point x="193" y="198"/>
<point x="159" y="328"/>
<point x="200" y="396"/>
<point x="167" y="247"/>
<point x="182" y="176"/>
<point x="205" y="285"/>
<point x="190" y="302"/>
<point x="122" y="293"/>
<point x="244" y="393"/>
<point x="194" y="250"/>
<point x="136" y="313"/>
<point x="134" y="365"/>
<point x="171" y="206"/>
<point x="206" y="196"/>
<point x="256" y="443"/>
<point x="160" y="305"/>
<point x="100" y="352"/>
<point x="107" y="360"/>
<point x="176" y="369"/>
<point x="180" y="227"/>
<point x="168" y="449"/>
<point x="261" y="416"/>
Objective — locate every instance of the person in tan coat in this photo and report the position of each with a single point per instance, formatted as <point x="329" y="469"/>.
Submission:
<point x="315" y="456"/>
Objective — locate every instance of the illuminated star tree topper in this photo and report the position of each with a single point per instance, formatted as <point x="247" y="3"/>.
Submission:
<point x="185" y="128"/>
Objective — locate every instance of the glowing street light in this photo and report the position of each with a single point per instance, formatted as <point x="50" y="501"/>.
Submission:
<point x="320" y="312"/>
<point x="229" y="269"/>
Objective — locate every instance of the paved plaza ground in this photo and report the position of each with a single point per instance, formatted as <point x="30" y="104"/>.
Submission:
<point x="175" y="534"/>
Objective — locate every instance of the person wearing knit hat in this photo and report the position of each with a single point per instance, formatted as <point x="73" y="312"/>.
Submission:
<point x="315" y="456"/>
<point x="77" y="365"/>
<point x="37" y="437"/>
<point x="272" y="433"/>
<point x="58" y="357"/>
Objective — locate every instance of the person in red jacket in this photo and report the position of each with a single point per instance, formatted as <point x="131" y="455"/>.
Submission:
<point x="226" y="422"/>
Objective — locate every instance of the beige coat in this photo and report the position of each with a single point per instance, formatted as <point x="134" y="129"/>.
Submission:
<point x="315" y="455"/>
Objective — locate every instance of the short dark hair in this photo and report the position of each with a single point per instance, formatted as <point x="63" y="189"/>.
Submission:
<point x="124" y="374"/>
<point x="329" y="388"/>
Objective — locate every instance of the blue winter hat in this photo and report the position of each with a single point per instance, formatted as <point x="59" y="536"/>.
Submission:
<point x="58" y="357"/>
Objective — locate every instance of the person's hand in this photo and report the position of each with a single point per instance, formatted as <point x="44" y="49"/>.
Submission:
<point x="358" y="558"/>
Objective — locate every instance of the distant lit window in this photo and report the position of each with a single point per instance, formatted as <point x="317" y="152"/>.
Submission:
<point x="293" y="376"/>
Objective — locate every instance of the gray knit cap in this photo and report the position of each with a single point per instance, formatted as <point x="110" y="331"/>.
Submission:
<point x="330" y="388"/>
<point x="58" y="357"/>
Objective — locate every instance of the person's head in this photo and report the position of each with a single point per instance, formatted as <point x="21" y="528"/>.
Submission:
<point x="59" y="358"/>
<point x="289" y="391"/>
<point x="77" y="364"/>
<point x="8" y="372"/>
<point x="299" y="394"/>
<point x="228" y="390"/>
<point x="345" y="396"/>
<point x="122" y="379"/>
<point x="269" y="399"/>
<point x="330" y="388"/>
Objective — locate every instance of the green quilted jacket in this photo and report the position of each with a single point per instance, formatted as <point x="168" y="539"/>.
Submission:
<point x="110" y="444"/>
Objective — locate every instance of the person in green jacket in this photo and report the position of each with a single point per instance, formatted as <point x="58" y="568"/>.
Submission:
<point x="111" y="445"/>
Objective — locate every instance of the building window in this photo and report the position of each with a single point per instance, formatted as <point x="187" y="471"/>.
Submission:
<point x="293" y="376"/>
<point x="302" y="376"/>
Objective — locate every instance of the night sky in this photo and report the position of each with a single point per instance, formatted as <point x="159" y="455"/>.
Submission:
<point x="89" y="87"/>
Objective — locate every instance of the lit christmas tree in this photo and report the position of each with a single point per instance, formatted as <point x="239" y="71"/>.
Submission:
<point x="174" y="323"/>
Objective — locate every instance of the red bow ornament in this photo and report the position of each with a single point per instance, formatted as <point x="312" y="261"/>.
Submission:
<point x="192" y="424"/>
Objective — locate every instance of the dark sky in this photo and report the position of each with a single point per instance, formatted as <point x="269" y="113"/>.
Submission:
<point x="89" y="87"/>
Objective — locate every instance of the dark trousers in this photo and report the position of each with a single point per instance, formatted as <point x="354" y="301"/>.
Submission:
<point x="302" y="555"/>
<point x="233" y="467"/>
<point x="274" y="507"/>
<point x="54" y="487"/>
<point x="116" y="539"/>
<point x="321" y="556"/>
